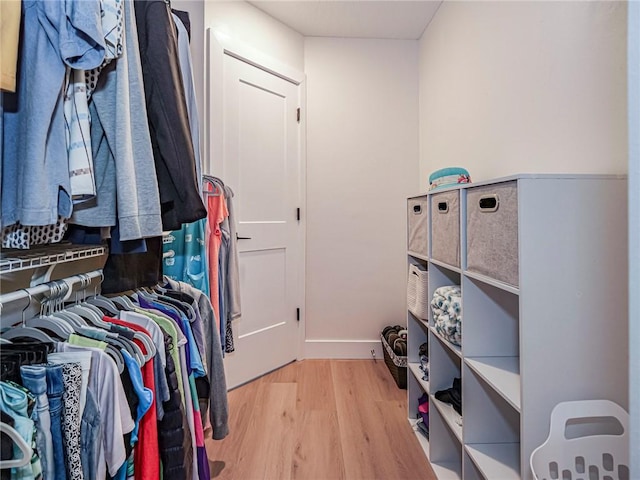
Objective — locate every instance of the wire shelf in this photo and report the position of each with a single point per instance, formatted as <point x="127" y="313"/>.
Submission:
<point x="17" y="260"/>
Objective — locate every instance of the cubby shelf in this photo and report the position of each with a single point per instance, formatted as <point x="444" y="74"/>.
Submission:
<point x="496" y="460"/>
<point x="445" y="265"/>
<point x="449" y="415"/>
<point x="502" y="373"/>
<point x="422" y="440"/>
<point x="415" y="370"/>
<point x="521" y="248"/>
<point x="447" y="470"/>
<point x="418" y="255"/>
<point x="454" y="348"/>
<point x="492" y="282"/>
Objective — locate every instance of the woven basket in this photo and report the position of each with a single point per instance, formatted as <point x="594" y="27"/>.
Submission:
<point x="418" y="292"/>
<point x="396" y="364"/>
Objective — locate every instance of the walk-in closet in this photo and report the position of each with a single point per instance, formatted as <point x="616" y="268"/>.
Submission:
<point x="319" y="240"/>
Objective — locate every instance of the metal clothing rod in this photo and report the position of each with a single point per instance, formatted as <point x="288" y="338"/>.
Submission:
<point x="31" y="292"/>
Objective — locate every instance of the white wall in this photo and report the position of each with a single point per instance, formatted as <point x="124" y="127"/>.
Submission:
<point x="509" y="87"/>
<point x="634" y="234"/>
<point x="362" y="163"/>
<point x="245" y="23"/>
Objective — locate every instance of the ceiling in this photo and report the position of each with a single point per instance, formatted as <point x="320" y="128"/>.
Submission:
<point x="396" y="19"/>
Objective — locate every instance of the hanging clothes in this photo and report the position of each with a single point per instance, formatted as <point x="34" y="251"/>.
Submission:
<point x="18" y="403"/>
<point x="229" y="274"/>
<point x="218" y="406"/>
<point x="100" y="142"/>
<point x="147" y="455"/>
<point x="34" y="150"/>
<point x="167" y="113"/>
<point x="186" y="71"/>
<point x="216" y="213"/>
<point x="222" y="252"/>
<point x="122" y="149"/>
<point x="184" y="255"/>
<point x="184" y="250"/>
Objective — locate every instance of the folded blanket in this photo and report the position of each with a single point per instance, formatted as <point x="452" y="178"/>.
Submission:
<point x="446" y="306"/>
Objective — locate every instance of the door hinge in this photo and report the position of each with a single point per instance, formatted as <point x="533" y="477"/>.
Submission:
<point x="298" y="213"/>
<point x="298" y="114"/>
<point x="298" y="314"/>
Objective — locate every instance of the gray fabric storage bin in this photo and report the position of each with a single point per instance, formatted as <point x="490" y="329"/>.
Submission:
<point x="445" y="227"/>
<point x="418" y="226"/>
<point x="492" y="231"/>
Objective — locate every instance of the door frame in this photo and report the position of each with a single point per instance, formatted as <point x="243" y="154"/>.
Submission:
<point x="219" y="44"/>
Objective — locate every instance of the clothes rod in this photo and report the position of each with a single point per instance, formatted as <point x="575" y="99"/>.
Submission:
<point x="11" y="297"/>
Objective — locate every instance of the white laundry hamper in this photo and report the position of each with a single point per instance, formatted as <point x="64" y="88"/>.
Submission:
<point x="597" y="456"/>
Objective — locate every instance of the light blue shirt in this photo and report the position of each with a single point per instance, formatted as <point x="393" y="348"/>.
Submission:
<point x="56" y="34"/>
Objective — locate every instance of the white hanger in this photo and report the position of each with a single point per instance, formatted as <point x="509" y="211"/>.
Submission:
<point x="22" y="331"/>
<point x="124" y="302"/>
<point x="104" y="302"/>
<point x="24" y="447"/>
<point x="27" y="332"/>
<point x="58" y="326"/>
<point x="54" y="325"/>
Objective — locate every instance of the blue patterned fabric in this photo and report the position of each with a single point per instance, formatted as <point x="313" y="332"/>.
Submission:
<point x="446" y="306"/>
<point x="184" y="255"/>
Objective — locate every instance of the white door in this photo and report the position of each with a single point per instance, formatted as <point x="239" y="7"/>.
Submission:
<point x="261" y="163"/>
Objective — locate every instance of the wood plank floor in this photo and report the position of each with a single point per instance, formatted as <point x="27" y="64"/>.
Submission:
<point x="320" y="420"/>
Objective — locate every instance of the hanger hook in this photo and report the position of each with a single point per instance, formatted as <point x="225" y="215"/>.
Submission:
<point x="83" y="285"/>
<point x="56" y="298"/>
<point x="95" y="287"/>
<point x="24" y="310"/>
<point x="67" y="290"/>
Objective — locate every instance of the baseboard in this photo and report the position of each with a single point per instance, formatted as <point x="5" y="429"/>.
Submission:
<point x="357" y="349"/>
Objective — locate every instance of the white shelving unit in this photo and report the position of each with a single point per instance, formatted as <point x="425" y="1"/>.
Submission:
<point x="542" y="264"/>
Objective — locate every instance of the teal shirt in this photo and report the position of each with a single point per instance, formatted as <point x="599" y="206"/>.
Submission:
<point x="184" y="253"/>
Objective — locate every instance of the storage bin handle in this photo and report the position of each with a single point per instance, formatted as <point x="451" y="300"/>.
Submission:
<point x="443" y="206"/>
<point x="417" y="209"/>
<point x="489" y="203"/>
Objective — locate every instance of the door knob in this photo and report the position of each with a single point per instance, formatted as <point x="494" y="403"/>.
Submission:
<point x="242" y="238"/>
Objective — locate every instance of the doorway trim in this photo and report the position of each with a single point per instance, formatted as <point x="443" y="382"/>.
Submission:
<point x="219" y="44"/>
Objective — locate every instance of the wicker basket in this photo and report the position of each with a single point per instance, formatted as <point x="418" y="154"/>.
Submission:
<point x="396" y="364"/>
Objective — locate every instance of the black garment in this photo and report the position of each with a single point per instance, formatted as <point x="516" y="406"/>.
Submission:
<point x="134" y="270"/>
<point x="10" y="367"/>
<point x="172" y="434"/>
<point x="36" y="349"/>
<point x="124" y="331"/>
<point x="452" y="395"/>
<point x="132" y="401"/>
<point x="180" y="296"/>
<point x="14" y="355"/>
<point x="184" y="18"/>
<point x="167" y="112"/>
<point x="178" y="304"/>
